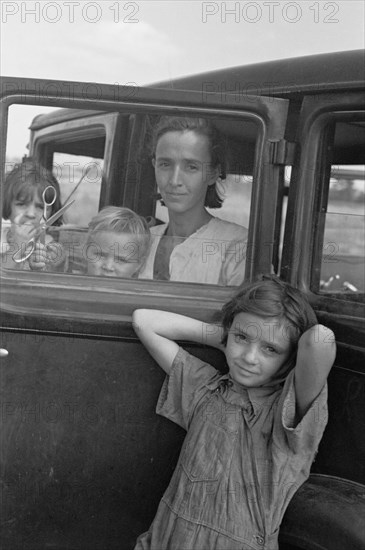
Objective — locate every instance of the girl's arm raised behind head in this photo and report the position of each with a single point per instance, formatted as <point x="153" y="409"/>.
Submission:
<point x="315" y="357"/>
<point x="158" y="331"/>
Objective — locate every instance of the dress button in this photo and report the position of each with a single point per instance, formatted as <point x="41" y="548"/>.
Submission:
<point x="260" y="540"/>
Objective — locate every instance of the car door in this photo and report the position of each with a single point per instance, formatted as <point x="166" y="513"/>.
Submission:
<point x="323" y="254"/>
<point x="84" y="457"/>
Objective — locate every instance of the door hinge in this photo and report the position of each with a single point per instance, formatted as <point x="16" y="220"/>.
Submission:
<point x="282" y="152"/>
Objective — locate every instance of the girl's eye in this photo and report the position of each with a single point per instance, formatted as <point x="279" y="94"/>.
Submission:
<point x="192" y="167"/>
<point x="270" y="349"/>
<point x="162" y="164"/>
<point x="239" y="337"/>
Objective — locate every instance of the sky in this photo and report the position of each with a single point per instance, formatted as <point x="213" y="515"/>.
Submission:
<point x="147" y="41"/>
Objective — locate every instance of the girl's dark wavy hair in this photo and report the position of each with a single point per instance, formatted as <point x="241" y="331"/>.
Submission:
<point x="203" y="127"/>
<point x="21" y="182"/>
<point x="271" y="297"/>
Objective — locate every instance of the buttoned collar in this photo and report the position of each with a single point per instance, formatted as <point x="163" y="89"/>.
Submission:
<point x="235" y="394"/>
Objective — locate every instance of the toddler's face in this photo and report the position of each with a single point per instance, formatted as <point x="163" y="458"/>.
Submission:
<point x="257" y="348"/>
<point x="114" y="254"/>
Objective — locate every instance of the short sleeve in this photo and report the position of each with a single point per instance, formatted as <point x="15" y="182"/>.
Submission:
<point x="234" y="267"/>
<point x="233" y="251"/>
<point x="184" y="388"/>
<point x="303" y="437"/>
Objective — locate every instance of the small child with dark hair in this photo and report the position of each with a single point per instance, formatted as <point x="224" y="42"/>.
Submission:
<point x="252" y="434"/>
<point x="117" y="244"/>
<point x="23" y="207"/>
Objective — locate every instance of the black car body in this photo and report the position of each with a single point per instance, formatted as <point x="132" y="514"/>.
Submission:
<point x="85" y="459"/>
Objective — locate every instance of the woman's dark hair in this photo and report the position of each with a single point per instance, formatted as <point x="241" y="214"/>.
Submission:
<point x="23" y="180"/>
<point x="203" y="127"/>
<point x="271" y="297"/>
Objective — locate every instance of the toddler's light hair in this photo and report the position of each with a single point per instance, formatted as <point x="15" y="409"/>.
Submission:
<point x="118" y="219"/>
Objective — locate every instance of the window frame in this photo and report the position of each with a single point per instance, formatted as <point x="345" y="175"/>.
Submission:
<point x="82" y="299"/>
<point x="304" y="232"/>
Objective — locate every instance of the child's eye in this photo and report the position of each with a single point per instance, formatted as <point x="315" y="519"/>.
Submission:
<point x="239" y="337"/>
<point x="270" y="349"/>
<point x="192" y="167"/>
<point x="163" y="164"/>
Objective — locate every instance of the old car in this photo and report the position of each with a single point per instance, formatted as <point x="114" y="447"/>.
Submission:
<point x="84" y="457"/>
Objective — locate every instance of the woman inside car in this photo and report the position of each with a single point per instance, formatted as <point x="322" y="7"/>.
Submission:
<point x="194" y="246"/>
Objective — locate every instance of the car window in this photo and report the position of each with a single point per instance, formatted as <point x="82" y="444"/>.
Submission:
<point x="342" y="213"/>
<point x="117" y="175"/>
<point x="213" y="250"/>
<point x="343" y="258"/>
<point x="84" y="175"/>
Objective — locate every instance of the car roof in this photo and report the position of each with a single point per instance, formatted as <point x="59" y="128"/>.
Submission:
<point x="311" y="74"/>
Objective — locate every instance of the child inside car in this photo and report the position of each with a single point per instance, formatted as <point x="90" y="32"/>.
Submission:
<point x="117" y="243"/>
<point x="28" y="189"/>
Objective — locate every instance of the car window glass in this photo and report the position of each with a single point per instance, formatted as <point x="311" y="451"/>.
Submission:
<point x="339" y="268"/>
<point x="343" y="258"/>
<point x="106" y="160"/>
<point x="67" y="145"/>
<point x="84" y="175"/>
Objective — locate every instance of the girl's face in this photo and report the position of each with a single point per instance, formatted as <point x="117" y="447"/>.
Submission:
<point x="114" y="254"/>
<point x="257" y="348"/>
<point x="27" y="210"/>
<point x="183" y="170"/>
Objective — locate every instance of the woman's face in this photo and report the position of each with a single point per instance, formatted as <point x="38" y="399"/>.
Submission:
<point x="183" y="170"/>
